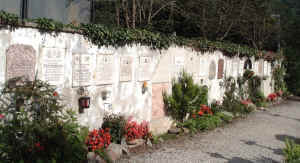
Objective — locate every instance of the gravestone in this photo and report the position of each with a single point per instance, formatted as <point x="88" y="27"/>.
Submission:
<point x="126" y="69"/>
<point x="260" y="67"/>
<point x="144" y="68"/>
<point x="220" y="68"/>
<point x="53" y="65"/>
<point x="81" y="68"/>
<point x="192" y="64"/>
<point x="212" y="70"/>
<point x="202" y="67"/>
<point x="179" y="65"/>
<point x="20" y="61"/>
<point x="104" y="69"/>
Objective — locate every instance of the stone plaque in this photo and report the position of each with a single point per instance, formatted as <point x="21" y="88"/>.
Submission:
<point x="228" y="67"/>
<point x="163" y="71"/>
<point x="20" y="61"/>
<point x="241" y="68"/>
<point x="212" y="70"/>
<point x="265" y="68"/>
<point x="220" y="68"/>
<point x="179" y="65"/>
<point x="81" y="69"/>
<point x="53" y="66"/>
<point x="144" y="68"/>
<point x="126" y="69"/>
<point x="104" y="69"/>
<point x="234" y="68"/>
<point x="202" y="67"/>
<point x="158" y="110"/>
<point x="260" y="67"/>
<point x="192" y="65"/>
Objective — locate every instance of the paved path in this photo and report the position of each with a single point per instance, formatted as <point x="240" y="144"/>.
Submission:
<point x="259" y="139"/>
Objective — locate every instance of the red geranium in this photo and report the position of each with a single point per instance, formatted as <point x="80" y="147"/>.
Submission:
<point x="204" y="110"/>
<point x="55" y="94"/>
<point x="133" y="130"/>
<point x="1" y="116"/>
<point x="272" y="97"/>
<point x="98" y="139"/>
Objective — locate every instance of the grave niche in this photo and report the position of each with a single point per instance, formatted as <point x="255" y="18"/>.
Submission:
<point x="20" y="61"/>
<point x="212" y="70"/>
<point x="248" y="64"/>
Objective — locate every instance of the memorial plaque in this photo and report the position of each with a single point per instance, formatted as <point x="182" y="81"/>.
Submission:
<point x="20" y="61"/>
<point x="234" y="68"/>
<point x="265" y="68"/>
<point x="163" y="70"/>
<point x="82" y="74"/>
<point x="228" y="68"/>
<point x="144" y="68"/>
<point x="53" y="66"/>
<point x="260" y="67"/>
<point x="202" y="68"/>
<point x="179" y="65"/>
<point x="104" y="69"/>
<point x="212" y="71"/>
<point x="192" y="65"/>
<point x="220" y="68"/>
<point x="241" y="67"/>
<point x="126" y="69"/>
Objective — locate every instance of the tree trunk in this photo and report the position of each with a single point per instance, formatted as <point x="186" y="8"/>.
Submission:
<point x="125" y="9"/>
<point x="117" y="7"/>
<point x="133" y="13"/>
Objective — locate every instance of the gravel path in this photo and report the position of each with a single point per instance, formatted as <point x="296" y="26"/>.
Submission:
<point x="258" y="138"/>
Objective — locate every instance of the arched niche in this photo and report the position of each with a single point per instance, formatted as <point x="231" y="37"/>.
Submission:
<point x="248" y="64"/>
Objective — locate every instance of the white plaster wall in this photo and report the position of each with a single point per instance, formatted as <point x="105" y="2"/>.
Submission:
<point x="126" y="97"/>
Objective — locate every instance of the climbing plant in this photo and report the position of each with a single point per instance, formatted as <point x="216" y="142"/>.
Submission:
<point x="117" y="37"/>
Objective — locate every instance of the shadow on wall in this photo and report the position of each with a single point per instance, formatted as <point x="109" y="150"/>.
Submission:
<point x="242" y="160"/>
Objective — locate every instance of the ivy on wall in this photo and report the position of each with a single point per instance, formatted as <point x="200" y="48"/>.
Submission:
<point x="117" y="37"/>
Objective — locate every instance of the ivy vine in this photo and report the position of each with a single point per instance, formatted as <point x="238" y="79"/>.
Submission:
<point x="118" y="37"/>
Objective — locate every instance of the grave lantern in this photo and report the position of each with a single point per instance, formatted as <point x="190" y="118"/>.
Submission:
<point x="84" y="102"/>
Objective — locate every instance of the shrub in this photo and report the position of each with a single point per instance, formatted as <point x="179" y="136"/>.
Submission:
<point x="116" y="126"/>
<point x="224" y="117"/>
<point x="204" y="122"/>
<point x="133" y="130"/>
<point x="98" y="139"/>
<point x="186" y="97"/>
<point x="291" y="152"/>
<point x="35" y="126"/>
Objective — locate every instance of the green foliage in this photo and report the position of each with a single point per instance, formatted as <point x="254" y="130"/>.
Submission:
<point x="118" y="37"/>
<point x="224" y="117"/>
<point x="278" y="77"/>
<point x="205" y="122"/>
<point x="254" y="90"/>
<point x="186" y="97"/>
<point x="116" y="126"/>
<point x="36" y="126"/>
<point x="103" y="154"/>
<point x="45" y="24"/>
<point x="8" y="19"/>
<point x="291" y="152"/>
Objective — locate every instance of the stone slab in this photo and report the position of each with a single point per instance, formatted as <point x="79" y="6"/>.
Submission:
<point x="20" y="61"/>
<point x="192" y="65"/>
<point x="163" y="70"/>
<point x="53" y="69"/>
<point x="126" y="69"/>
<point x="104" y="69"/>
<point x="212" y="70"/>
<point x="220" y="68"/>
<point x="144" y="69"/>
<point x="81" y="70"/>
<point x="157" y="100"/>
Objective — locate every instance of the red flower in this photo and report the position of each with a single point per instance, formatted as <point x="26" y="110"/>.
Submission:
<point x="200" y="113"/>
<point x="1" y="116"/>
<point x="55" y="94"/>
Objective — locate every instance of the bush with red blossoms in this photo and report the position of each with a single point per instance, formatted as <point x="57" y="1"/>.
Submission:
<point x="246" y="102"/>
<point x="98" y="139"/>
<point x="204" y="110"/>
<point x="133" y="130"/>
<point x="280" y="93"/>
<point x="272" y="97"/>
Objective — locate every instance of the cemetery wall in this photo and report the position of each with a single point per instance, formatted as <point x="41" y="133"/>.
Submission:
<point x="115" y="78"/>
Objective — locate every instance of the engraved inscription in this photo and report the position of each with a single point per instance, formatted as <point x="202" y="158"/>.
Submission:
<point x="144" y="68"/>
<point x="104" y="69"/>
<point x="81" y="70"/>
<point x="53" y="66"/>
<point x="126" y="69"/>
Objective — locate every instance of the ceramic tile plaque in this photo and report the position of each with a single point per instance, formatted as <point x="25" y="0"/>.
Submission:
<point x="81" y="68"/>
<point x="20" y="61"/>
<point x="126" y="69"/>
<point x="53" y="66"/>
<point x="104" y="69"/>
<point x="144" y="68"/>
